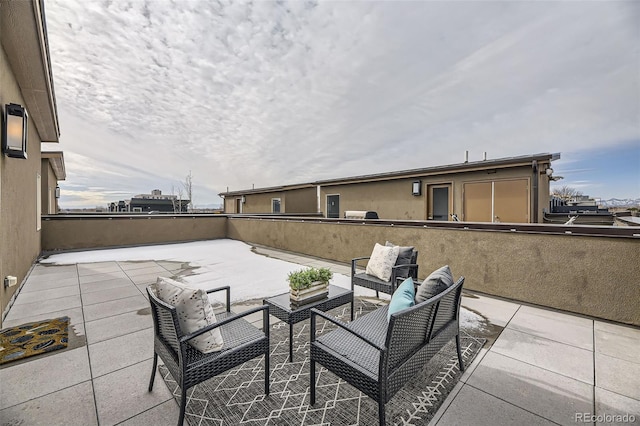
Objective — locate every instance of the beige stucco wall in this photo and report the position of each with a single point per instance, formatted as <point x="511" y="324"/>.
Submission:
<point x="19" y="239"/>
<point x="301" y="200"/>
<point x="49" y="183"/>
<point x="66" y="233"/>
<point x="261" y="203"/>
<point x="229" y="205"/>
<point x="393" y="199"/>
<point x="596" y="276"/>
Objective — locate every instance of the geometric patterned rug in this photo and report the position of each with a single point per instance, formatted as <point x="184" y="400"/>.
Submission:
<point x="33" y="338"/>
<point x="236" y="397"/>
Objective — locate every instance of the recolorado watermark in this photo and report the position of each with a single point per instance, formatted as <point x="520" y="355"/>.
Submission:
<point x="604" y="418"/>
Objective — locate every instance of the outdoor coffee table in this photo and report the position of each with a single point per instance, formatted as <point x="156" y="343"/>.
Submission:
<point x="280" y="306"/>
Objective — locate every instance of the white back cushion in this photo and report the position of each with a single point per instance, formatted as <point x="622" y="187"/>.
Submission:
<point x="194" y="312"/>
<point x="382" y="260"/>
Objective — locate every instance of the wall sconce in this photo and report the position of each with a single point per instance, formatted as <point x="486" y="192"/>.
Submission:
<point x="549" y="172"/>
<point x="243" y="199"/>
<point x="416" y="188"/>
<point x="14" y="135"/>
<point x="57" y="191"/>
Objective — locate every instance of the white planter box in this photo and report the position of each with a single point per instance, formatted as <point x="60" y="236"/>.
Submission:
<point x="317" y="290"/>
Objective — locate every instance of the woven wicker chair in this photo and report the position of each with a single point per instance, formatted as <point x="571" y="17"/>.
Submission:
<point x="398" y="271"/>
<point x="378" y="356"/>
<point x="188" y="366"/>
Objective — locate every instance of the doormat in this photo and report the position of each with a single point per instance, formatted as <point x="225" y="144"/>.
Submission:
<point x="33" y="338"/>
<point x="236" y="397"/>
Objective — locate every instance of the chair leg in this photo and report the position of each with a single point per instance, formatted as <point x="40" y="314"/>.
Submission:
<point x="291" y="342"/>
<point x="312" y="381"/>
<point x="153" y="371"/>
<point x="460" y="363"/>
<point x="377" y="294"/>
<point x="381" y="414"/>
<point x="183" y="405"/>
<point x="266" y="373"/>
<point x="352" y="308"/>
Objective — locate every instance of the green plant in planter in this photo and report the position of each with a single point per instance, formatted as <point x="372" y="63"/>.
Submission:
<point x="299" y="280"/>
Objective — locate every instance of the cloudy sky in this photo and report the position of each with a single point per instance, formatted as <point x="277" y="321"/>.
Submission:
<point x="272" y="93"/>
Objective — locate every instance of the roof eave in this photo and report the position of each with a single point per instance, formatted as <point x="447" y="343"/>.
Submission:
<point x="56" y="159"/>
<point x="24" y="39"/>
<point x="506" y="162"/>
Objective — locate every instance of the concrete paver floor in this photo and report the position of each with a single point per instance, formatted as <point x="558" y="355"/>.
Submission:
<point x="539" y="366"/>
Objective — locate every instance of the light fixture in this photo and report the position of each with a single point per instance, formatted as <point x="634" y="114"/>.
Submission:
<point x="14" y="135"/>
<point x="57" y="191"/>
<point x="549" y="172"/>
<point x="416" y="188"/>
<point x="243" y="199"/>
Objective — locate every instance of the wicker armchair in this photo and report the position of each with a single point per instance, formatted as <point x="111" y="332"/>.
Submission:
<point x="398" y="271"/>
<point x="378" y="356"/>
<point x="188" y="366"/>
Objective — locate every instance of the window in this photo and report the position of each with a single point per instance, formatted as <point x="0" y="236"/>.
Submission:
<point x="275" y="205"/>
<point x="38" y="202"/>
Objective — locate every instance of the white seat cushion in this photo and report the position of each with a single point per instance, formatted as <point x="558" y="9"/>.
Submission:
<point x="382" y="261"/>
<point x="194" y="312"/>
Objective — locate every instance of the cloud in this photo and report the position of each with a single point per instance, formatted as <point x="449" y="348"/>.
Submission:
<point x="270" y="93"/>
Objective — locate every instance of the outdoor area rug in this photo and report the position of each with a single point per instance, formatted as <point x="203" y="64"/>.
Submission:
<point x="236" y="397"/>
<point x="33" y="338"/>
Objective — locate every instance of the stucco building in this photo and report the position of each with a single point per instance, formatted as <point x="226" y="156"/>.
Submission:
<point x="155" y="202"/>
<point x="29" y="180"/>
<point x="514" y="190"/>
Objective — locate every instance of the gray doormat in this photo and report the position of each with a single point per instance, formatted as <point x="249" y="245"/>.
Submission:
<point x="236" y="397"/>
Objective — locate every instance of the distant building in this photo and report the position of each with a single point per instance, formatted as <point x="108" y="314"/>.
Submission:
<point x="580" y="210"/>
<point x="513" y="190"/>
<point x="148" y="203"/>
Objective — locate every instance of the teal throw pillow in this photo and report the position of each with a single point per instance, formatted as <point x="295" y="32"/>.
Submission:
<point x="402" y="298"/>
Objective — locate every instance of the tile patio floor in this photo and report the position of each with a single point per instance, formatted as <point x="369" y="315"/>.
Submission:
<point x="538" y="367"/>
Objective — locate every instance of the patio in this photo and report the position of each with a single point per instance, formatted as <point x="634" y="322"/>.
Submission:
<point x="538" y="367"/>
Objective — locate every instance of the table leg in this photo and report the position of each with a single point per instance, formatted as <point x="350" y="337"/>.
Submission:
<point x="291" y="342"/>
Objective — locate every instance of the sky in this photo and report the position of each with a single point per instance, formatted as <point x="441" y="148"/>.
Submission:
<point x="254" y="276"/>
<point x="243" y="94"/>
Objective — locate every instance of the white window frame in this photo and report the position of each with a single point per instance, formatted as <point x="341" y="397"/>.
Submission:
<point x="38" y="202"/>
<point x="279" y="200"/>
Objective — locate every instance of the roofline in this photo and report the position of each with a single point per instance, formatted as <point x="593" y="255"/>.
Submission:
<point x="505" y="162"/>
<point x="56" y="158"/>
<point x="47" y="56"/>
<point x="27" y="51"/>
<point x="268" y="189"/>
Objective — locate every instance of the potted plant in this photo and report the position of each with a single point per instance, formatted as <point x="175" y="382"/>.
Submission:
<point x="309" y="284"/>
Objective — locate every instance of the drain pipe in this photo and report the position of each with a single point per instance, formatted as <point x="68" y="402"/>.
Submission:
<point x="534" y="166"/>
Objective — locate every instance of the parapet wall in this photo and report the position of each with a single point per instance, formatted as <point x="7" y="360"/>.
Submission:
<point x="586" y="274"/>
<point x="61" y="232"/>
<point x="585" y="270"/>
